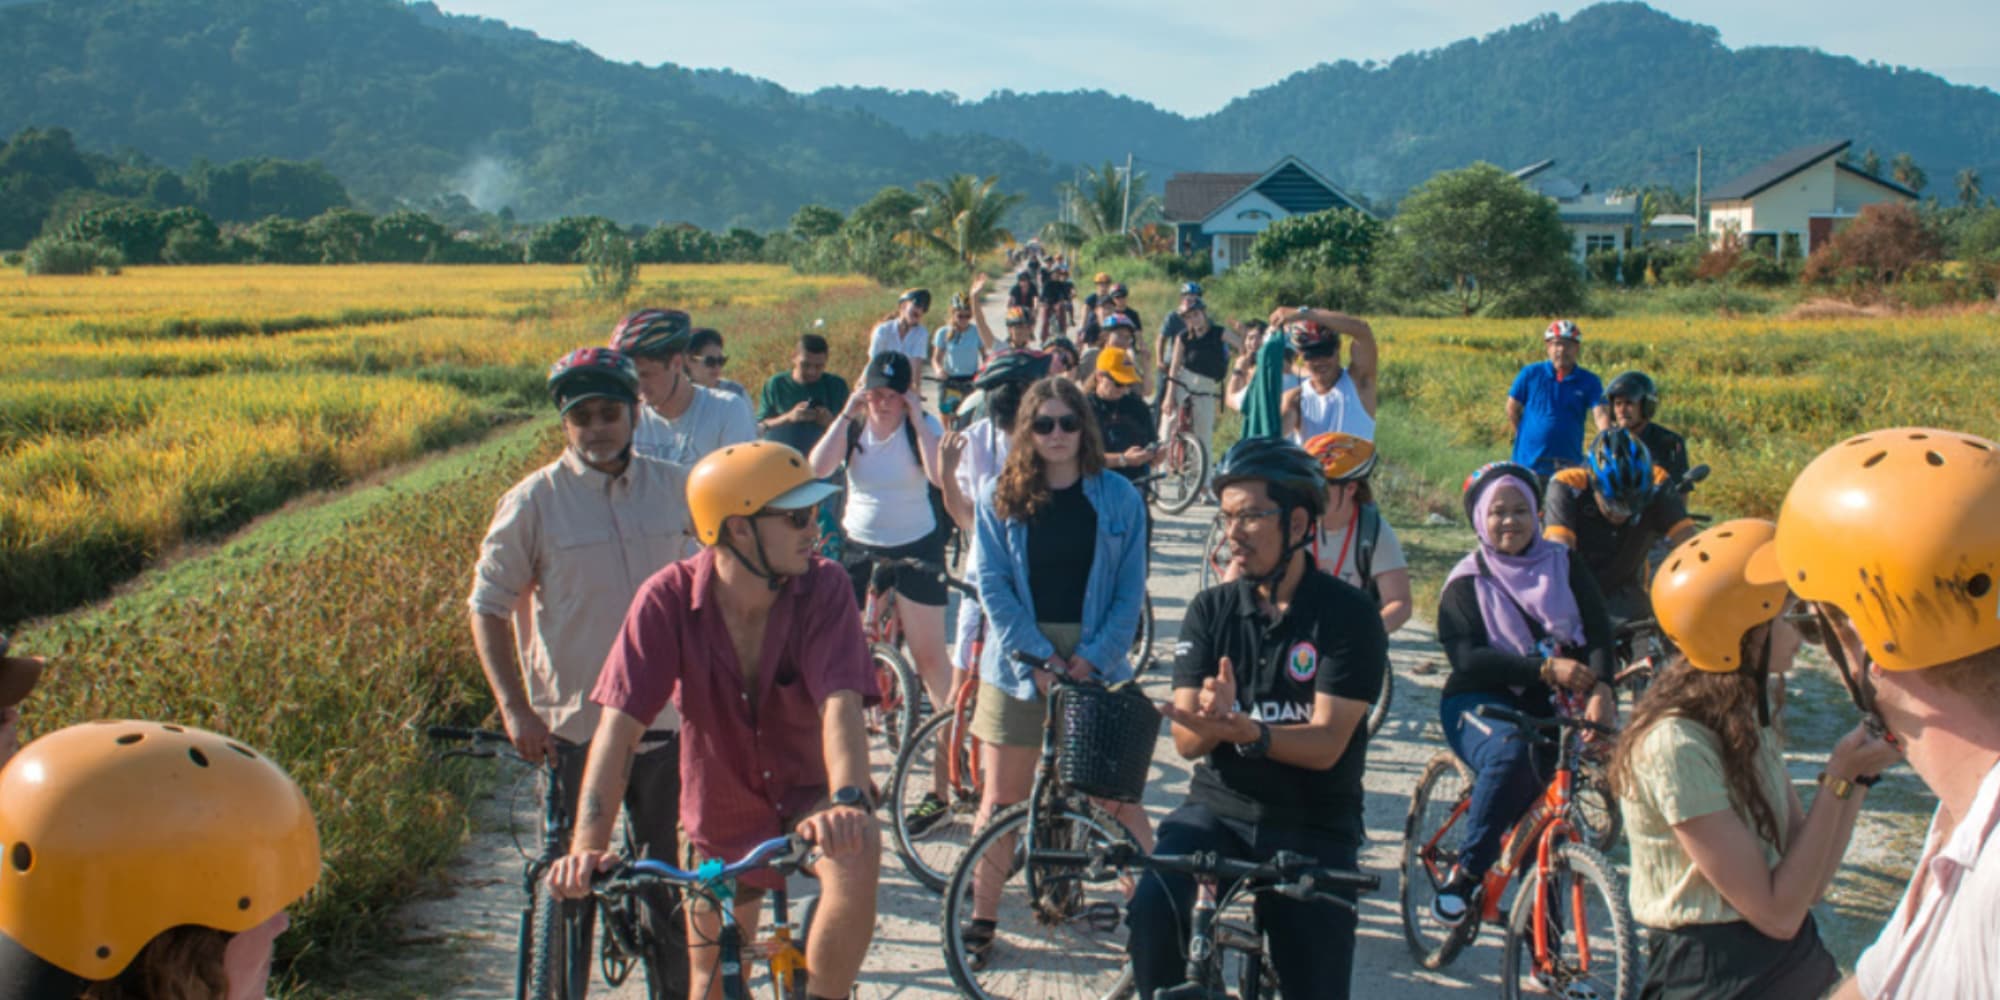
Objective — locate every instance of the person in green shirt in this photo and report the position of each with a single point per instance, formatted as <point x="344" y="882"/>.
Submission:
<point x="1726" y="862"/>
<point x="797" y="405"/>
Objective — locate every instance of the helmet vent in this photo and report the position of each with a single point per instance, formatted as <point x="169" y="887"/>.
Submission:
<point x="1859" y="440"/>
<point x="1726" y="534"/>
<point x="103" y="951"/>
<point x="243" y="903"/>
<point x="1968" y="442"/>
<point x="173" y="729"/>
<point x="1675" y="568"/>
<point x="200" y="759"/>
<point x="130" y="738"/>
<point x="1934" y="458"/>
<point x="1920" y="437"/>
<point x="245" y="751"/>
<point x="1703" y="556"/>
<point x="1875" y="459"/>
<point x="22" y="857"/>
<point x="1979" y="585"/>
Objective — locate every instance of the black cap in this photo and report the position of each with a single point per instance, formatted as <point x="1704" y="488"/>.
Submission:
<point x="888" y="370"/>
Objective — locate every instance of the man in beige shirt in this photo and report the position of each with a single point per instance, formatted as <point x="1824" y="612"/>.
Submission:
<point x="568" y="548"/>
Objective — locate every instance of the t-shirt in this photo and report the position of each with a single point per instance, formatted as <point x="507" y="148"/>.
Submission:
<point x="1552" y="415"/>
<point x="1669" y="451"/>
<point x="1682" y="765"/>
<point x="1206" y="355"/>
<point x="1062" y="543"/>
<point x="1055" y="290"/>
<point x="1615" y="553"/>
<point x="888" y="497"/>
<point x="1338" y="558"/>
<point x="985" y="454"/>
<point x="1329" y="641"/>
<point x="1022" y="297"/>
<point x="732" y="387"/>
<point x="962" y="350"/>
<point x="1125" y="423"/>
<point x="891" y="335"/>
<point x="713" y="420"/>
<point x="782" y="392"/>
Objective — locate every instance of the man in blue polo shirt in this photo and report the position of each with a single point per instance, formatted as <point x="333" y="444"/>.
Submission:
<point x="1547" y="404"/>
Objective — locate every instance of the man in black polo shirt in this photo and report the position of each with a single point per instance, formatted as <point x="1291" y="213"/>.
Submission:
<point x="1272" y="677"/>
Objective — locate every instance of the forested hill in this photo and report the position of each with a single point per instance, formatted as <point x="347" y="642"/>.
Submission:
<point x="404" y="102"/>
<point x="1619" y="93"/>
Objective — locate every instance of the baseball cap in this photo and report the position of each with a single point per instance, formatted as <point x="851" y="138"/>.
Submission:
<point x="1090" y="300"/>
<point x="1117" y="291"/>
<point x="888" y="370"/>
<point x="1117" y="363"/>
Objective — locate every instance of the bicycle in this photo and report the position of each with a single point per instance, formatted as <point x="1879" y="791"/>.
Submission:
<point x="619" y="896"/>
<point x="895" y="717"/>
<point x="952" y="390"/>
<point x="1183" y="458"/>
<point x="553" y="943"/>
<point x="1566" y="961"/>
<point x="1103" y="750"/>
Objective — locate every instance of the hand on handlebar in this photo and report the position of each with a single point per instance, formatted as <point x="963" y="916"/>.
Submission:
<point x="529" y="734"/>
<point x="841" y="832"/>
<point x="570" y="876"/>
<point x="1572" y="674"/>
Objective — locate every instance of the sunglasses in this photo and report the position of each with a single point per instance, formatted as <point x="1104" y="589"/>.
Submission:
<point x="799" y="517"/>
<point x="715" y="361"/>
<point x="1045" y="426"/>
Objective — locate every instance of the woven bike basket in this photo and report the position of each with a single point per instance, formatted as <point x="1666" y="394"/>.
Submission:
<point x="1106" y="739"/>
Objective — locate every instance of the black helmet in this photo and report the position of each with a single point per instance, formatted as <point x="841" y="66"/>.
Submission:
<point x="1012" y="366"/>
<point x="921" y="296"/>
<point x="1636" y="385"/>
<point x="1292" y="476"/>
<point x="1622" y="470"/>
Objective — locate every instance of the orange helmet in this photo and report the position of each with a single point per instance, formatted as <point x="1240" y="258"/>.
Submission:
<point x="1100" y="278"/>
<point x="1705" y="598"/>
<point x="743" y="479"/>
<point x="1900" y="530"/>
<point x="118" y="831"/>
<point x="1345" y="457"/>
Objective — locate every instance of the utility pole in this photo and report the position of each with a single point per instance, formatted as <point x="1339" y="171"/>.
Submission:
<point x="1125" y="214"/>
<point x="1699" y="227"/>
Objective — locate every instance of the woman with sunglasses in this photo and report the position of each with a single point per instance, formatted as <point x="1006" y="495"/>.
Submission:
<point x="1062" y="571"/>
<point x="1726" y="863"/>
<point x="705" y="361"/>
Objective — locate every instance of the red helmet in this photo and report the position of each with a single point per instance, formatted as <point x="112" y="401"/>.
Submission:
<point x="1563" y="329"/>
<point x="592" y="372"/>
<point x="652" y="333"/>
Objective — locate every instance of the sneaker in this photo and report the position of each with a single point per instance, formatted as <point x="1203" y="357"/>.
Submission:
<point x="1566" y="991"/>
<point x="1453" y="902"/>
<point x="926" y="816"/>
<point x="977" y="937"/>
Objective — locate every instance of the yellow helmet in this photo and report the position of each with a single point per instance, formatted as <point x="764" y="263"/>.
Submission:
<point x="115" y="831"/>
<point x="743" y="479"/>
<point x="1705" y="599"/>
<point x="1900" y="530"/>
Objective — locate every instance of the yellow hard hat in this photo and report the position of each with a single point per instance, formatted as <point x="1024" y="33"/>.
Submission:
<point x="1900" y="530"/>
<point x="1705" y="599"/>
<point x="742" y="479"/>
<point x="116" y="831"/>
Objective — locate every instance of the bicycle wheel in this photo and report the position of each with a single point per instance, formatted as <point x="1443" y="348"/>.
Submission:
<point x="1142" y="644"/>
<point x="1186" y="468"/>
<point x="1593" y="950"/>
<point x="930" y="854"/>
<point x="559" y="963"/>
<point x="1378" y="713"/>
<point x="1430" y="850"/>
<point x="896" y="716"/>
<point x="1067" y="940"/>
<point x="1594" y="809"/>
<point x="1214" y="556"/>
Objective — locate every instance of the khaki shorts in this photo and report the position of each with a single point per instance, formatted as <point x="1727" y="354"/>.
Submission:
<point x="1002" y="720"/>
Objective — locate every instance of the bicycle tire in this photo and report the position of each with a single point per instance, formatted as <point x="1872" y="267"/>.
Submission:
<point x="1378" y="712"/>
<point x="1592" y="868"/>
<point x="1211" y="569"/>
<point x="1142" y="644"/>
<point x="1594" y="809"/>
<point x="559" y="965"/>
<point x="1096" y="956"/>
<point x="1187" y="474"/>
<point x="929" y="859"/>
<point x="1431" y="943"/>
<point x="900" y="707"/>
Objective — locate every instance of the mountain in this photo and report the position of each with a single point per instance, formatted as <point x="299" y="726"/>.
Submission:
<point x="404" y="102"/>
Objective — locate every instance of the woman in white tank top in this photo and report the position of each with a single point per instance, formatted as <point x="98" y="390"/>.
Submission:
<point x="1332" y="398"/>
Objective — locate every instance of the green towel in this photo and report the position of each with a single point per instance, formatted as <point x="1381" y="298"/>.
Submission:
<point x="1262" y="403"/>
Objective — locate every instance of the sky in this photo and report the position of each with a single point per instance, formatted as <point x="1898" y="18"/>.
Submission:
<point x="1188" y="56"/>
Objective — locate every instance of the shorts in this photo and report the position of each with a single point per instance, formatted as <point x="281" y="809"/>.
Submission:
<point x="1002" y="720"/>
<point x="917" y="588"/>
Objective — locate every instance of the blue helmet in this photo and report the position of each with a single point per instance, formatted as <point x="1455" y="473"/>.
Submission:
<point x="1622" y="470"/>
<point x="1191" y="288"/>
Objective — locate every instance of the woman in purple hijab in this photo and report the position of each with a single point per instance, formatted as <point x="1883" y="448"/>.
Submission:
<point x="1519" y="619"/>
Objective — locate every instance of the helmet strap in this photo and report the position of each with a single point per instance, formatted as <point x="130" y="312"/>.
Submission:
<point x="1270" y="581"/>
<point x="1763" y="678"/>
<point x="761" y="568"/>
<point x="1860" y="686"/>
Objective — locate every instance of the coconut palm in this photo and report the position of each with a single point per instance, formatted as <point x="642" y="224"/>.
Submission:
<point x="962" y="215"/>
<point x="1098" y="200"/>
<point x="1968" y="187"/>
<point x="1904" y="171"/>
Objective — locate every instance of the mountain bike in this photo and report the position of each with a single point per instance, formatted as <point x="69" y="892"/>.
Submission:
<point x="1057" y="932"/>
<point x="1569" y="931"/>
<point x="552" y="947"/>
<point x="1183" y="461"/>
<point x="896" y="716"/>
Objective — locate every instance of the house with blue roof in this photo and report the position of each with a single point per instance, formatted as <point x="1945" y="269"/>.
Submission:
<point x="1224" y="213"/>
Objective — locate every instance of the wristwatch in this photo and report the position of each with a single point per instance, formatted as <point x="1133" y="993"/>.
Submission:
<point x="1258" y="748"/>
<point x="849" y="795"/>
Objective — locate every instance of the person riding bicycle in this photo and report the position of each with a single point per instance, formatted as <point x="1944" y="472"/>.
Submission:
<point x="1548" y="401"/>
<point x="1520" y="619"/>
<point x="959" y="348"/>
<point x="1062" y="577"/>
<point x="1331" y="398"/>
<point x="1611" y="512"/>
<point x="1198" y="357"/>
<point x="1020" y="329"/>
<point x="1172" y="326"/>
<point x="1273" y="676"/>
<point x="147" y="861"/>
<point x="1726" y="862"/>
<point x="1055" y="297"/>
<point x="1634" y="399"/>
<point x="681" y="421"/>
<point x="1355" y="543"/>
<point x="757" y="643"/>
<point x="1893" y="535"/>
<point x="797" y="406"/>
<point x="567" y="549"/>
<point x="1026" y="292"/>
<point x="1119" y="331"/>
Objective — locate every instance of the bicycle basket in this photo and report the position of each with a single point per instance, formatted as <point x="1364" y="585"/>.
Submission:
<point x="1106" y="739"/>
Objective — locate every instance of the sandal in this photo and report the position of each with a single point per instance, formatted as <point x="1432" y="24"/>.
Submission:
<point x="977" y="939"/>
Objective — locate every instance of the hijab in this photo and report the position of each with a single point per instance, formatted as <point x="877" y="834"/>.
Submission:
<point x="1512" y="588"/>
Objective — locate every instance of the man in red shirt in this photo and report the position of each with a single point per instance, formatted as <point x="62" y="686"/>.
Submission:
<point x="757" y="642"/>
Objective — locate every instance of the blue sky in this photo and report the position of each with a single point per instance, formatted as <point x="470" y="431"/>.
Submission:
<point x="1190" y="56"/>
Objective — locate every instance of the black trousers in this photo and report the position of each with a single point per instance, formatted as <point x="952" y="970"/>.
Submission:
<point x="652" y="815"/>
<point x="1736" y="961"/>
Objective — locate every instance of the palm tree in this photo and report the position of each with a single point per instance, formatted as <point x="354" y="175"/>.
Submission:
<point x="962" y="215"/>
<point x="1905" y="171"/>
<point x="1871" y="164"/>
<point x="1968" y="187"/>
<point x="1098" y="201"/>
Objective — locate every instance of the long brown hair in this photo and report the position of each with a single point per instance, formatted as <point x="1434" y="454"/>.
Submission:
<point x="182" y="963"/>
<point x="1725" y="705"/>
<point x="1023" y="489"/>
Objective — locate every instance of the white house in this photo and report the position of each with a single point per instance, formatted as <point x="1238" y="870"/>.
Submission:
<point x="1595" y="221"/>
<point x="1223" y="213"/>
<point x="1800" y="199"/>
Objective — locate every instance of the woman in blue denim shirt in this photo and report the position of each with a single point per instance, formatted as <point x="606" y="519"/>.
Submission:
<point x="1061" y="548"/>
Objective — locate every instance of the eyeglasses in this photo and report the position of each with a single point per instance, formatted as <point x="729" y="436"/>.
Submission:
<point x="799" y="517"/>
<point x="714" y="360"/>
<point x="1045" y="426"/>
<point x="1228" y="522"/>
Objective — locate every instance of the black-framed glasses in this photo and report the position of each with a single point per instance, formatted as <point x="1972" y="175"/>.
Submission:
<point x="1228" y="521"/>
<point x="798" y="517"/>
<point x="715" y="360"/>
<point x="1045" y="426"/>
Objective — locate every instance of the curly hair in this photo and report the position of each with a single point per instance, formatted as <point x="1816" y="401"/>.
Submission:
<point x="1023" y="490"/>
<point x="182" y="963"/>
<point x="1726" y="706"/>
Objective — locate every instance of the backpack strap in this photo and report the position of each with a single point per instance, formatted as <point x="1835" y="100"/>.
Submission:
<point x="1367" y="533"/>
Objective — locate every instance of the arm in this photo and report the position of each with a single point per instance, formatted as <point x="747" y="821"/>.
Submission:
<point x="501" y="581"/>
<point x="1007" y="614"/>
<point x="831" y="449"/>
<point x="1473" y="658"/>
<point x="1601" y="413"/>
<point x="957" y="503"/>
<point x="1514" y="412"/>
<point x="1188" y="743"/>
<point x="844" y="740"/>
<point x="1394" y="586"/>
<point x="979" y="323"/>
<point x="1108" y="643"/>
<point x="1362" y="357"/>
<point x="927" y="441"/>
<point x="493" y="638"/>
<point x="1317" y="745"/>
<point x="605" y="774"/>
<point x="1291" y="414"/>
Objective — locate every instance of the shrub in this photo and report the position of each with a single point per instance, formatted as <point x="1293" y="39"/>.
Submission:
<point x="60" y="255"/>
<point x="1469" y="238"/>
<point x="608" y="266"/>
<point x="1879" y="247"/>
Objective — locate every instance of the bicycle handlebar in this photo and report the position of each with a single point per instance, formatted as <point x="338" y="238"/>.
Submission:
<point x="1551" y="724"/>
<point x="1191" y="390"/>
<point x="1637" y="626"/>
<point x="784" y="854"/>
<point x="1287" y="872"/>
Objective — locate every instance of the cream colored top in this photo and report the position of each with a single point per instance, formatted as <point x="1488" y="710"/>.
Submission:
<point x="1678" y="768"/>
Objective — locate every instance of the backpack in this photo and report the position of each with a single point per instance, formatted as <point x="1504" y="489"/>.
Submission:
<point x="1368" y="532"/>
<point x="940" y="517"/>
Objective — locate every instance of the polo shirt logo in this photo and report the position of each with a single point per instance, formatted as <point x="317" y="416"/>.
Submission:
<point x="1302" y="664"/>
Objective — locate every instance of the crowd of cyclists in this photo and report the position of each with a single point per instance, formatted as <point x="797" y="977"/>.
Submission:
<point x="656" y="611"/>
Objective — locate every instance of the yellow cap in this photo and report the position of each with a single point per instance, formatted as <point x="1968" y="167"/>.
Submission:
<point x="1117" y="363"/>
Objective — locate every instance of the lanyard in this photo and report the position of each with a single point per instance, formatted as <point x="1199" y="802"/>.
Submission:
<point x="1352" y="520"/>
